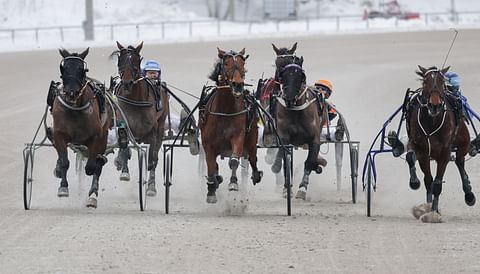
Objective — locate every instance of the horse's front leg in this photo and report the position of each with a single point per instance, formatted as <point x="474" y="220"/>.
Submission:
<point x="155" y="144"/>
<point x="124" y="154"/>
<point x="434" y="216"/>
<point x="411" y="158"/>
<point x="252" y="159"/>
<point x="424" y="162"/>
<point x="96" y="161"/>
<point x="213" y="178"/>
<point x="61" y="168"/>
<point x="234" y="162"/>
<point x="311" y="163"/>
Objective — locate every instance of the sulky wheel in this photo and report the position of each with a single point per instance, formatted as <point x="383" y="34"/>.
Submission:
<point x="354" y="171"/>
<point x="142" y="175"/>
<point x="369" y="187"/>
<point x="167" y="181"/>
<point x="286" y="172"/>
<point x="27" y="178"/>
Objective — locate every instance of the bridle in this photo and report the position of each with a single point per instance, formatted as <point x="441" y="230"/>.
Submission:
<point x="424" y="97"/>
<point x="82" y="81"/>
<point x="423" y="100"/>
<point x="225" y="74"/>
<point x="303" y="87"/>
<point x="128" y="63"/>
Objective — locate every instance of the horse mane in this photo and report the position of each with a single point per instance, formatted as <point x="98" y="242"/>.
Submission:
<point x="217" y="70"/>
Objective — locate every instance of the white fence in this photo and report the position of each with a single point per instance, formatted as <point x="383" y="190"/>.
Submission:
<point x="173" y="30"/>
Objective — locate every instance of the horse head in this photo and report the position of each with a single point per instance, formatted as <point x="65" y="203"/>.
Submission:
<point x="73" y="69"/>
<point x="129" y="60"/>
<point x="433" y="89"/>
<point x="230" y="70"/>
<point x="284" y="56"/>
<point x="292" y="79"/>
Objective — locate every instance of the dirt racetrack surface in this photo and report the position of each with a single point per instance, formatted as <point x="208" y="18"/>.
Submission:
<point x="325" y="234"/>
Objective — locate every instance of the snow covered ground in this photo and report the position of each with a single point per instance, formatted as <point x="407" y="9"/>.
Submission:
<point x="132" y="21"/>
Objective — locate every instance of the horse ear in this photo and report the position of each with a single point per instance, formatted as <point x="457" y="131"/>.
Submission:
<point x="84" y="53"/>
<point x="277" y="51"/>
<point x="139" y="47"/>
<point x="63" y="52"/>
<point x="242" y="52"/>
<point x="443" y="71"/>
<point x="221" y="53"/>
<point x="246" y="57"/>
<point x="301" y="61"/>
<point x="422" y="69"/>
<point x="293" y="49"/>
<point x="120" y="46"/>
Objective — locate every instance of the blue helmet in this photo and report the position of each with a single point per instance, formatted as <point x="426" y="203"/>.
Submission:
<point x="151" y="65"/>
<point x="453" y="79"/>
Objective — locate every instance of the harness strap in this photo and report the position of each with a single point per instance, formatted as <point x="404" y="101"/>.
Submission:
<point x="433" y="132"/>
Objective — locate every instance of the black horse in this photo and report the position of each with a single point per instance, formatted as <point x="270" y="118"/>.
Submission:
<point x="300" y="114"/>
<point x="434" y="131"/>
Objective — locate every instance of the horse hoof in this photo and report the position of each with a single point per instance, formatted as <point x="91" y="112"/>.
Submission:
<point x="92" y="202"/>
<point x="62" y="191"/>
<point x="318" y="170"/>
<point x="301" y="193"/>
<point x="257" y="177"/>
<point x="219" y="179"/>
<point x="117" y="163"/>
<point x="276" y="168"/>
<point x="211" y="199"/>
<point x="470" y="199"/>
<point x="431" y="217"/>
<point x="415" y="184"/>
<point x="151" y="190"/>
<point x="285" y="192"/>
<point x="233" y="186"/>
<point x="125" y="176"/>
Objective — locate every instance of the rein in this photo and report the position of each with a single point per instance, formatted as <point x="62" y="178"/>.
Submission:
<point x="130" y="101"/>
<point x="209" y="111"/>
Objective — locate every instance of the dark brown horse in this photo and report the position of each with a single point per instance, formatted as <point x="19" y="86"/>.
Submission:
<point x="78" y="120"/>
<point x="435" y="131"/>
<point x="268" y="89"/>
<point x="145" y="104"/>
<point x="228" y="122"/>
<point x="300" y="114"/>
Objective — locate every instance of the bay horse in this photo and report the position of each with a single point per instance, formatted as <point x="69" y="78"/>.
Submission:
<point x="300" y="114"/>
<point x="228" y="121"/>
<point x="435" y="131"/>
<point x="145" y="105"/>
<point x="78" y="120"/>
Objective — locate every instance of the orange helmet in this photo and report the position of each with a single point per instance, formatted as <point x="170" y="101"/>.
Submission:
<point x="324" y="83"/>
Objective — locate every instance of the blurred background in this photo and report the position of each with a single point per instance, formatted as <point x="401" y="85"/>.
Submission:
<point x="40" y="24"/>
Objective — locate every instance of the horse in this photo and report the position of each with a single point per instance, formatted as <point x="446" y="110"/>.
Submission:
<point x="78" y="120"/>
<point x="435" y="131"/>
<point x="266" y="91"/>
<point x="228" y="121"/>
<point x="145" y="105"/>
<point x="300" y="114"/>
